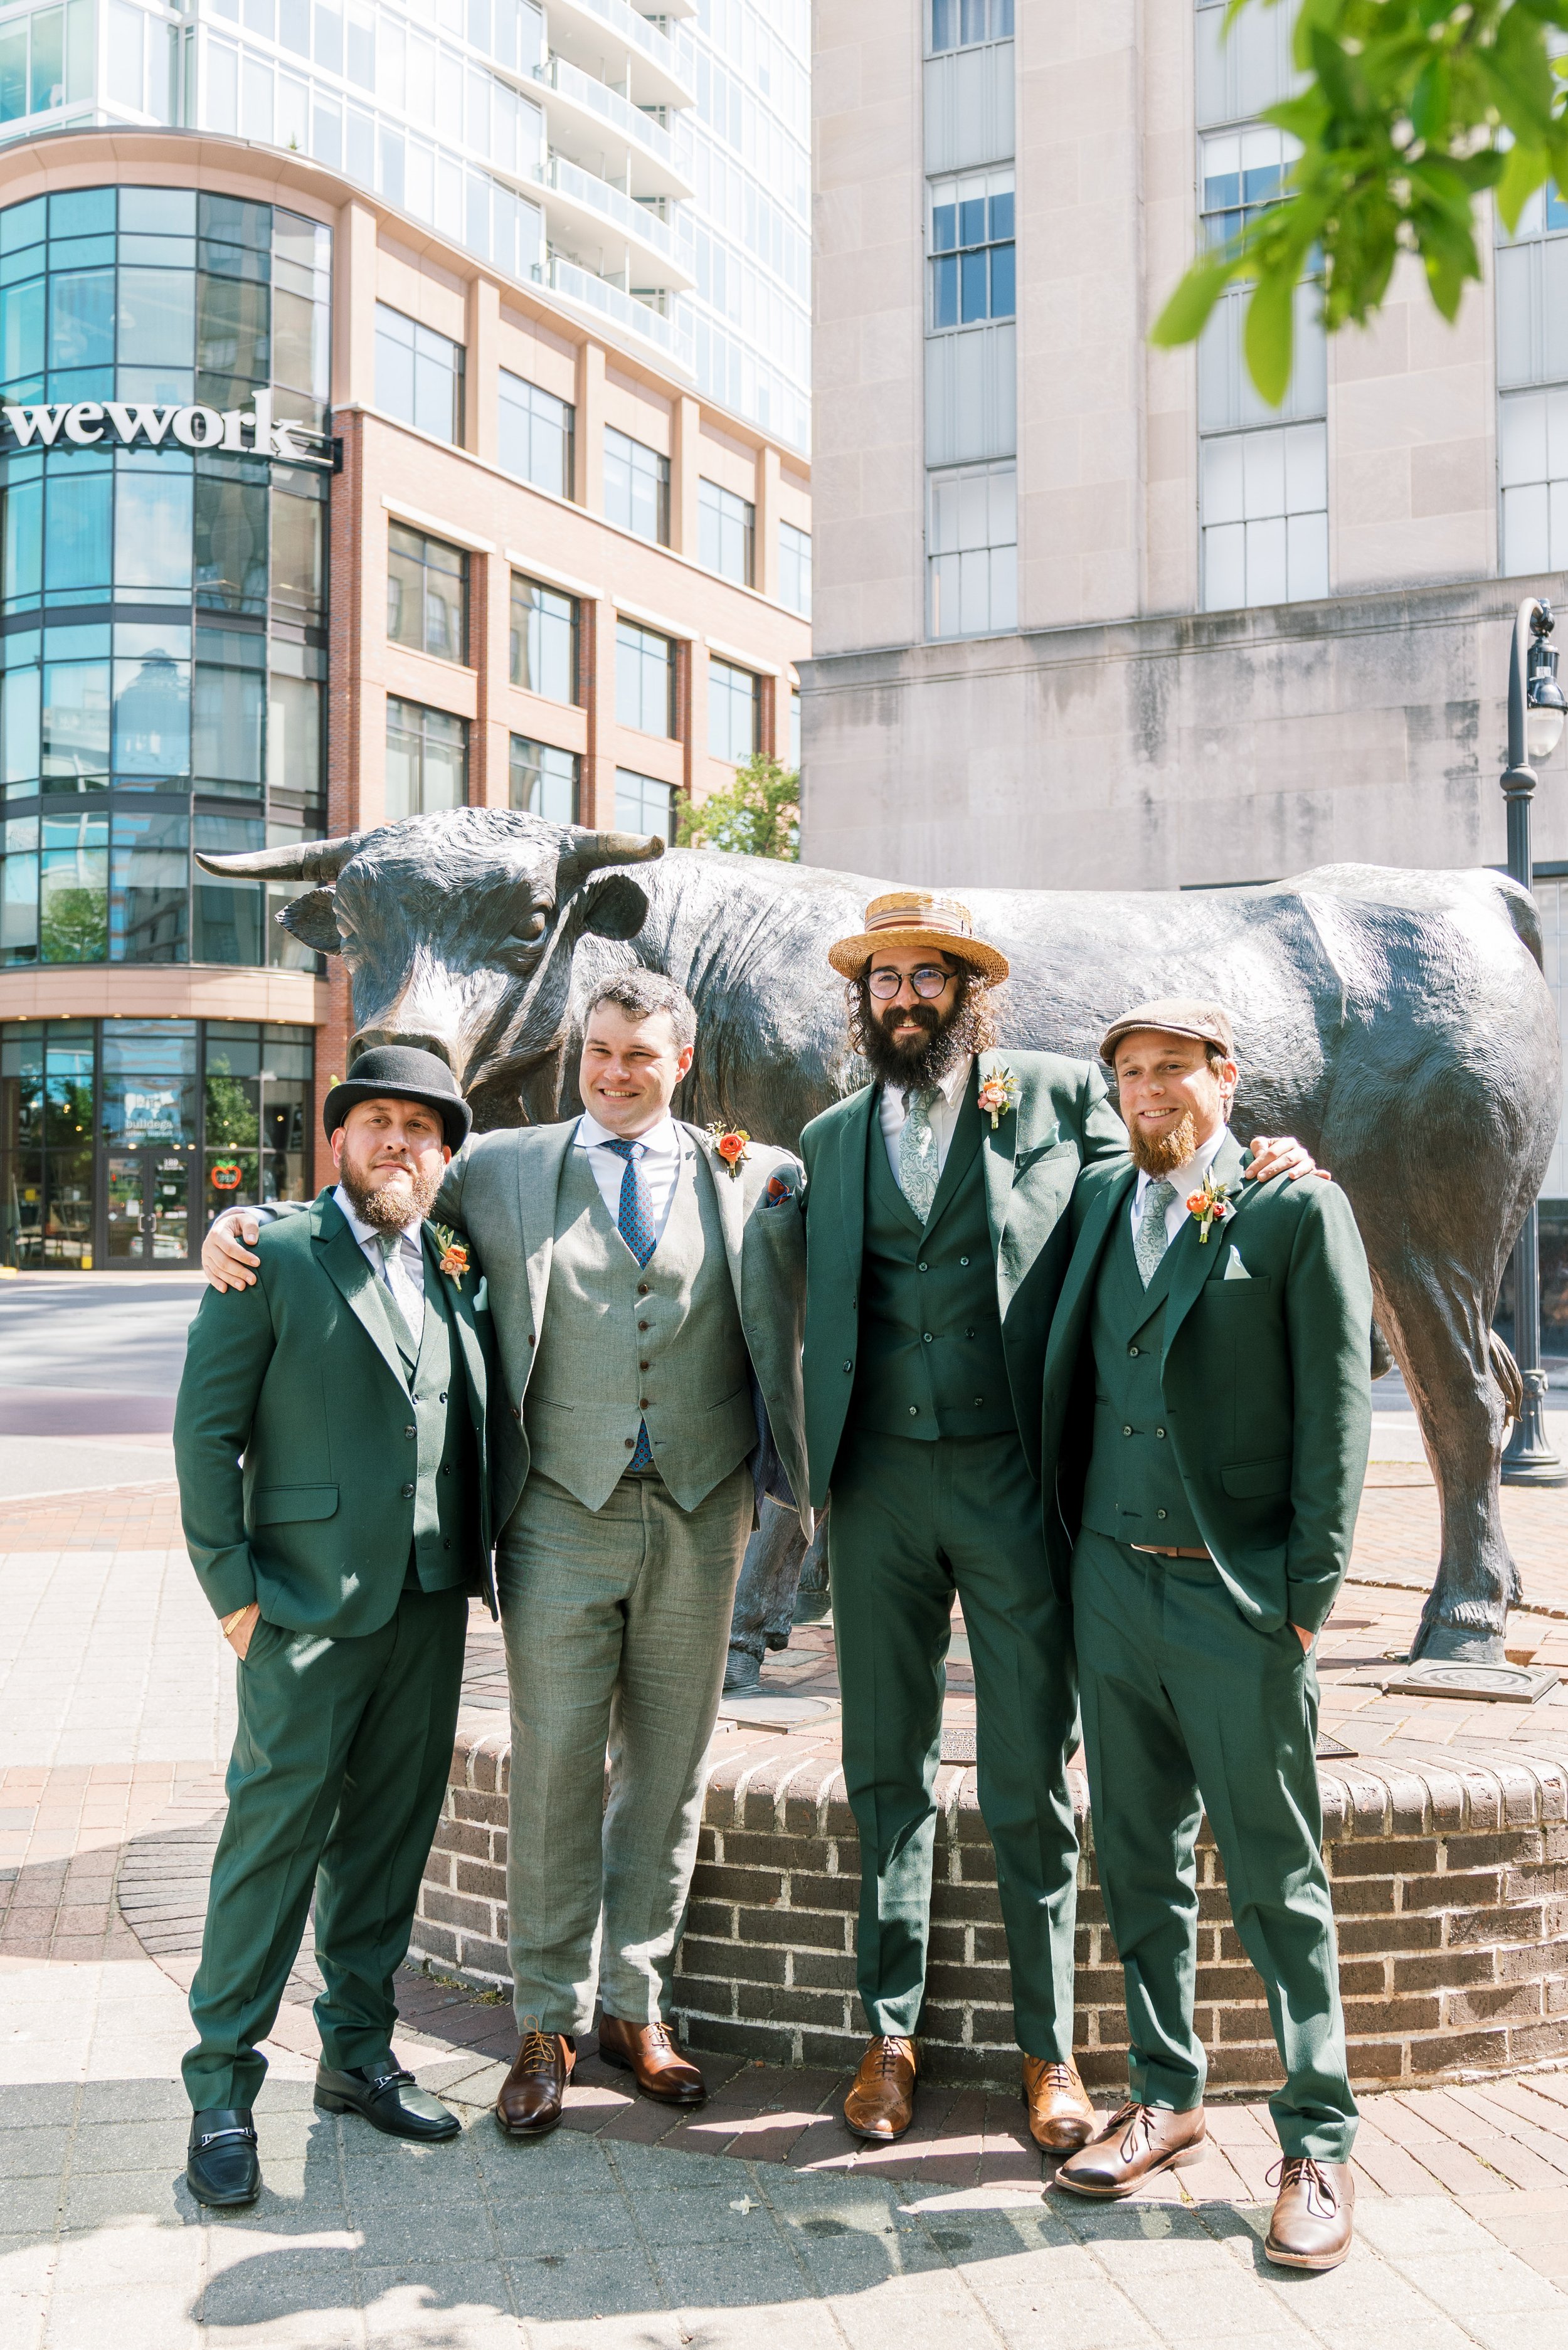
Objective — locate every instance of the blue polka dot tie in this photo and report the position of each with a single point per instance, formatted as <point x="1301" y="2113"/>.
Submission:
<point x="635" y="1218"/>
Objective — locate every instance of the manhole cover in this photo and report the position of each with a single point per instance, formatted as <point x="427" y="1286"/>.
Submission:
<point x="1499" y="1684"/>
<point x="766" y="1712"/>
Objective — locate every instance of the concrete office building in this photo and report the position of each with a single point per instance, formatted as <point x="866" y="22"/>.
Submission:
<point x="311" y="519"/>
<point x="1088" y="615"/>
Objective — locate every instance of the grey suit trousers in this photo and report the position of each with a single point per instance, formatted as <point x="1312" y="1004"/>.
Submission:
<point x="618" y="1625"/>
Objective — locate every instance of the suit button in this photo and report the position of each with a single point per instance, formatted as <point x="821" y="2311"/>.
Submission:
<point x="922" y="1268"/>
<point x="969" y="1333"/>
<point x="410" y="1431"/>
<point x="441" y="1398"/>
<point x="642" y="1367"/>
<point x="849" y="1366"/>
<point x="643" y="1403"/>
<point x="1159" y="1432"/>
<point x="977" y="1401"/>
<point x="1162" y="1513"/>
<point x="446" y="1545"/>
<point x="446" y="1470"/>
<point x="1132" y="1350"/>
<point x="1127" y="1432"/>
<point x="926" y="1337"/>
<point x="963" y="1260"/>
<point x="642" y="1326"/>
<point x="516" y="1411"/>
<point x="642" y="1288"/>
<point x="531" y="1339"/>
<point x="631" y="1443"/>
<point x="913" y="1411"/>
<point x="407" y="1492"/>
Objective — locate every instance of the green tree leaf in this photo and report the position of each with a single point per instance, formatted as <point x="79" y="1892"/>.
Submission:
<point x="756" y="816"/>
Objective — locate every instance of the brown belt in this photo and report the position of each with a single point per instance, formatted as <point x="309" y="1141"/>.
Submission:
<point x="1155" y="1551"/>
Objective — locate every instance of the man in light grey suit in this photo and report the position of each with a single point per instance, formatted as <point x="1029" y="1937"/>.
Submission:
<point x="647" y="1287"/>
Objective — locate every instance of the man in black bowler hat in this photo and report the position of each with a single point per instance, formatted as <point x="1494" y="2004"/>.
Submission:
<point x="330" y="1444"/>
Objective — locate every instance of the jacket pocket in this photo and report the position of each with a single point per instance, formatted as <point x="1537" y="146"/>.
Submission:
<point x="276" y="1505"/>
<point x="1254" y="1481"/>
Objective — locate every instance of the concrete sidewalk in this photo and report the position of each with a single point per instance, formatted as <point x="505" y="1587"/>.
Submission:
<point x="755" y="2221"/>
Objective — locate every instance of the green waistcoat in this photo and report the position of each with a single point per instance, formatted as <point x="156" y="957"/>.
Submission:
<point x="444" y="1468"/>
<point x="930" y="1361"/>
<point x="1134" y="1490"/>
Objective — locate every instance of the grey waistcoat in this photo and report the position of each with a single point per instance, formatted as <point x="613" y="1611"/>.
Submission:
<point x="621" y="1344"/>
<point x="437" y="1451"/>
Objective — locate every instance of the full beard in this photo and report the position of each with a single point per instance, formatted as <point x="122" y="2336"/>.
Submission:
<point x="945" y="1040"/>
<point x="392" y="1207"/>
<point x="1162" y="1154"/>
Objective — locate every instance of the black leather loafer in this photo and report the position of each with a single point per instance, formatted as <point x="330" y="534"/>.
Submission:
<point x="389" y="2099"/>
<point x="221" y="2166"/>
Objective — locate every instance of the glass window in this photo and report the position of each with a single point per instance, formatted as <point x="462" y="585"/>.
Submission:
<point x="972" y="550"/>
<point x="644" y="679"/>
<point x="149" y="874"/>
<point x="427" y="594"/>
<point x="637" y="487"/>
<point x="734" y="713"/>
<point x="1532" y="469"/>
<point x="419" y="375"/>
<point x="231" y="504"/>
<point x="81" y="492"/>
<point x="1263" y="503"/>
<point x="76" y="722"/>
<point x="794" y="568"/>
<point x="153" y="505"/>
<point x="643" y="805"/>
<point x="22" y="531"/>
<point x="972" y="252"/>
<point x="543" y="640"/>
<point x="1244" y="171"/>
<point x="298" y="555"/>
<point x="960" y="24"/>
<point x="227" y="916"/>
<point x="794" y="732"/>
<point x="427" y="760"/>
<point x="228" y="712"/>
<point x="544" y="781"/>
<point x="157" y="318"/>
<point x="234" y="343"/>
<point x="152" y="715"/>
<point x="726" y="528"/>
<point x="73" y="889"/>
<point x="293" y="736"/>
<point x="148" y="1082"/>
<point x="537" y="432"/>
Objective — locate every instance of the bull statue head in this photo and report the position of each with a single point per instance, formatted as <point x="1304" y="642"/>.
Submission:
<point x="459" y="931"/>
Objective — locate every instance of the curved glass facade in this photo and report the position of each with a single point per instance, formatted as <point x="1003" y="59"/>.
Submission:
<point x="162" y="599"/>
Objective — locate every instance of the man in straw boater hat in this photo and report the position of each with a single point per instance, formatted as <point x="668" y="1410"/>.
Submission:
<point x="936" y="1240"/>
<point x="1207" y="1396"/>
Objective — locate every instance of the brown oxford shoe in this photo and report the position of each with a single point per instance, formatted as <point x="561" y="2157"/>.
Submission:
<point x="649" y="2051"/>
<point x="534" y="2090"/>
<point x="1060" y="2115"/>
<point x="1314" y="2213"/>
<point x="1137" y="2143"/>
<point x="881" y="2101"/>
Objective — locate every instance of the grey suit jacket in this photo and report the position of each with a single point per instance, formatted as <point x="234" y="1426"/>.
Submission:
<point x="502" y="1190"/>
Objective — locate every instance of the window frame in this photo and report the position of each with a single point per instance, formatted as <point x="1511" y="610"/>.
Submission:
<point x="722" y="693"/>
<point x="421" y="558"/>
<point x="630" y="454"/>
<point x="972" y="260"/>
<point x="518" y="637"/>
<point x="625" y="629"/>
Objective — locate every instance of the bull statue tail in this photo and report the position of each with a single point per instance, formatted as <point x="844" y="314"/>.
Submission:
<point x="1506" y="1372"/>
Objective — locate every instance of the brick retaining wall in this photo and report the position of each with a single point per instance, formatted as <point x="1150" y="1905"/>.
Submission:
<point x="1450" y="1880"/>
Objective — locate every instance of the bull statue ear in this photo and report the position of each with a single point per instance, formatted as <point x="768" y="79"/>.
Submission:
<point x="311" y="920"/>
<point x="612" y="906"/>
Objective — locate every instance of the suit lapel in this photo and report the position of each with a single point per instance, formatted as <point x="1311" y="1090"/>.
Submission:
<point x="731" y="1194"/>
<point x="1198" y="1259"/>
<point x="999" y="1149"/>
<point x="538" y="1188"/>
<point x="343" y="1259"/>
<point x="1077" y="1289"/>
<point x="860" y="1124"/>
<point x="460" y="1313"/>
<point x="962" y="1151"/>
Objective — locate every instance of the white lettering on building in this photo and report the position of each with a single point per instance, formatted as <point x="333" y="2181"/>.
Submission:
<point x="255" y="431"/>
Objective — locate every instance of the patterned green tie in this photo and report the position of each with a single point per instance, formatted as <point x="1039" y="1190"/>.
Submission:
<point x="1149" y="1241"/>
<point x="918" y="1171"/>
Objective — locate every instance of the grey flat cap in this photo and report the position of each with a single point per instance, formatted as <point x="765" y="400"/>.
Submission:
<point x="1173" y="1015"/>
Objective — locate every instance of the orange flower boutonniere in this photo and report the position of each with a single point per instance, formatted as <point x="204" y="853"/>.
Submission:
<point x="1210" y="1206"/>
<point x="454" y="1254"/>
<point x="729" y="1142"/>
<point x="999" y="1092"/>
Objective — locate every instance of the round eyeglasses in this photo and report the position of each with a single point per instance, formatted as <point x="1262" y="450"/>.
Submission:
<point x="927" y="981"/>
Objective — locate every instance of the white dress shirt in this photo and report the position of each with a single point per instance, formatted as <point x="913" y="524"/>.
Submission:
<point x="1187" y="1180"/>
<point x="944" y="1112"/>
<point x="658" y="1155"/>
<point x="402" y="1269"/>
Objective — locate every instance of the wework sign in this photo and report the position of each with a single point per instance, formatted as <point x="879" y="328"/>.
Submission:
<point x="252" y="432"/>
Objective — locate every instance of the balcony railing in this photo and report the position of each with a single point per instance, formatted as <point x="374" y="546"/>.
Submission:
<point x="637" y="29"/>
<point x="587" y="188"/>
<point x="668" y="335"/>
<point x="559" y="73"/>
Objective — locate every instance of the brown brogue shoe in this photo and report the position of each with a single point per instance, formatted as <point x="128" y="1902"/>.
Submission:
<point x="1313" y="2214"/>
<point x="881" y="2101"/>
<point x="534" y="2091"/>
<point x="1060" y="2118"/>
<point x="1137" y="2142"/>
<point x="650" y="2054"/>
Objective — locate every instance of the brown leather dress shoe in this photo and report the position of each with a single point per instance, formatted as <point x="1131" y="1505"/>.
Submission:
<point x="881" y="2101"/>
<point x="1314" y="2213"/>
<point x="534" y="2090"/>
<point x="649" y="2053"/>
<point x="1060" y="2115"/>
<point x="1137" y="2142"/>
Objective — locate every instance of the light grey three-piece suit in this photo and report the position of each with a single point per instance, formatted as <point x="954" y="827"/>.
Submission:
<point x="615" y="1589"/>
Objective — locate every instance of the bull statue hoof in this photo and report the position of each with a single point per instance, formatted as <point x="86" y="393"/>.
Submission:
<point x="1452" y="1644"/>
<point x="743" y="1674"/>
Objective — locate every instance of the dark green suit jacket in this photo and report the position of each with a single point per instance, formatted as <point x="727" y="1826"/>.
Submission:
<point x="300" y="1374"/>
<point x="1266" y="1380"/>
<point x="1063" y="1120"/>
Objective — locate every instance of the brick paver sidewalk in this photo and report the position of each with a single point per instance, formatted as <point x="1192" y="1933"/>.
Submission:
<point x="755" y="2221"/>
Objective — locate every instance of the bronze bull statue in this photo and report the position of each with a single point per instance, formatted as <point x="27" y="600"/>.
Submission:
<point x="1398" y="1022"/>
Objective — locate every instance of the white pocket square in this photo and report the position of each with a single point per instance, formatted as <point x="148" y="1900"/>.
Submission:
<point x="1234" y="1268"/>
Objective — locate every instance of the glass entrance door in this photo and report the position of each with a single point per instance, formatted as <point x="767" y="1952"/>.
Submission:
<point x="148" y="1193"/>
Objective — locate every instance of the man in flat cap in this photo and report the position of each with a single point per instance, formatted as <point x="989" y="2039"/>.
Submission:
<point x="1208" y="1401"/>
<point x="352" y="1377"/>
<point x="937" y="1241"/>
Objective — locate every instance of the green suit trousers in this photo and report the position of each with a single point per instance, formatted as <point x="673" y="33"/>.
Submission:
<point x="911" y="1524"/>
<point x="1188" y="1708"/>
<point x="335" y="1786"/>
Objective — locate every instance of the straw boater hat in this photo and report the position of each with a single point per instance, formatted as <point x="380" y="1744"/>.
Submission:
<point x="915" y="917"/>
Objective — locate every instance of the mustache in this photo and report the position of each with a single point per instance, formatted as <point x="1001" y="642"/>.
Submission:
<point x="924" y="1016"/>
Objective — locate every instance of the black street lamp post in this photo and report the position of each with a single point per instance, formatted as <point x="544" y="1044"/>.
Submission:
<point x="1536" y="708"/>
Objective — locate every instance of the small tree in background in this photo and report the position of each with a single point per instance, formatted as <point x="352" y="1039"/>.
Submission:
<point x="756" y="816"/>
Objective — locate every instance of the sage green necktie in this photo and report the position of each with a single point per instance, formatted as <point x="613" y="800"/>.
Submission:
<point x="1149" y="1243"/>
<point x="918" y="1171"/>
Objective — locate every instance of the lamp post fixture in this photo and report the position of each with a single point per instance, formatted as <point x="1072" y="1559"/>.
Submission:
<point x="1536" y="708"/>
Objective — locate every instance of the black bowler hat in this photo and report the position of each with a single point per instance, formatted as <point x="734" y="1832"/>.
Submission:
<point x="408" y="1075"/>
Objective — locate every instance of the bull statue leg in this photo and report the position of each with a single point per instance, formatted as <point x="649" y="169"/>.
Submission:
<point x="1435" y="1317"/>
<point x="776" y="1574"/>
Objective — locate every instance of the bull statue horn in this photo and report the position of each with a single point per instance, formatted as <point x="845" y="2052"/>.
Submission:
<point x="316" y="860"/>
<point x="589" y="850"/>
